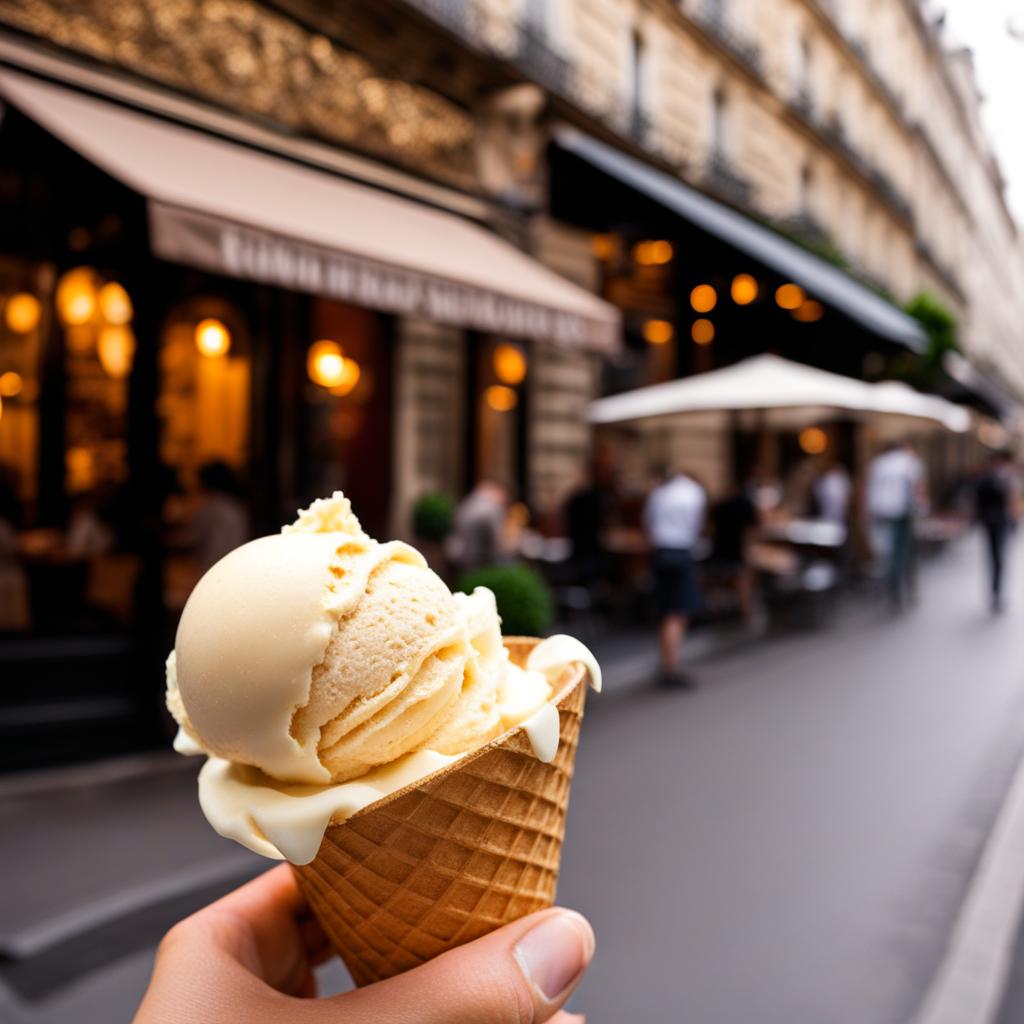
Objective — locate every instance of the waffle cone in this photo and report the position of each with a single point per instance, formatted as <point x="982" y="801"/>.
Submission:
<point x="452" y="857"/>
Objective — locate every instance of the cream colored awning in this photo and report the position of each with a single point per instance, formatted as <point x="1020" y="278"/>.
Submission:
<point x="247" y="214"/>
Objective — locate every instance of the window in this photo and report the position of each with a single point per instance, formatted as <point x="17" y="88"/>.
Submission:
<point x="807" y="190"/>
<point x="637" y="73"/>
<point x="802" y="68"/>
<point x="719" y="125"/>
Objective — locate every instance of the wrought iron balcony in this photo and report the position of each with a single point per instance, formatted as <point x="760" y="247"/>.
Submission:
<point x="722" y="178"/>
<point x="456" y="15"/>
<point x="803" y="102"/>
<point x="712" y="18"/>
<point x="883" y="185"/>
<point x="538" y="58"/>
<point x="639" y="126"/>
<point x="944" y="271"/>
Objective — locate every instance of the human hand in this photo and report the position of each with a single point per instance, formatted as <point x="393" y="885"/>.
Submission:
<point x="250" y="957"/>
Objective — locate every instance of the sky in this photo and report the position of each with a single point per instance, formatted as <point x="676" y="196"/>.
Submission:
<point x="985" y="26"/>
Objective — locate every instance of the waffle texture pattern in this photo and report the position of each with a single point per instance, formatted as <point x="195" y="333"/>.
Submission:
<point x="467" y="850"/>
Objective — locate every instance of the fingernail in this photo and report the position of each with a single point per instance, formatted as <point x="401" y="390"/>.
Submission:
<point x="555" y="952"/>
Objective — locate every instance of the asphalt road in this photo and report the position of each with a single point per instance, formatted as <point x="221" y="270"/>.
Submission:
<point x="792" y="842"/>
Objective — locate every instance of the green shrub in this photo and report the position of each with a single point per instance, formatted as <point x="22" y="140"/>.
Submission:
<point x="938" y="323"/>
<point x="524" y="601"/>
<point x="433" y="516"/>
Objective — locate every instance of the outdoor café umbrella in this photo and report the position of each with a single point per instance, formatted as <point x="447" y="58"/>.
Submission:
<point x="790" y="391"/>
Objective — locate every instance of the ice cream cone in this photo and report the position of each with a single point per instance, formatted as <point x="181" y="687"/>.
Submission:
<point x="458" y="854"/>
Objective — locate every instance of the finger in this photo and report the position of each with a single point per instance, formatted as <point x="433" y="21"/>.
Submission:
<point x="520" y="974"/>
<point x="259" y="926"/>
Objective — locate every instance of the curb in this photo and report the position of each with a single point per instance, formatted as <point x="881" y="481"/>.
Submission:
<point x="972" y="978"/>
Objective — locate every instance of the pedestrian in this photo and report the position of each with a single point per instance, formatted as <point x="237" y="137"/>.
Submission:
<point x="586" y="517"/>
<point x="220" y="524"/>
<point x="674" y="517"/>
<point x="733" y="521"/>
<point x="832" y="490"/>
<point x="478" y="536"/>
<point x="896" y="491"/>
<point x="994" y="501"/>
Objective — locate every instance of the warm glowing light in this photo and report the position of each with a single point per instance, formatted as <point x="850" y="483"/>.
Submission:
<point x="501" y="398"/>
<point x="744" y="289"/>
<point x="702" y="331"/>
<point x="212" y="338"/>
<point x="603" y="246"/>
<point x="703" y="298"/>
<point x="509" y="364"/>
<point x="325" y="364"/>
<point x="10" y="384"/>
<point x="115" y="305"/>
<point x="116" y="349"/>
<point x="1" y="408"/>
<point x="21" y="314"/>
<point x="76" y="296"/>
<point x="813" y="440"/>
<point x="650" y="254"/>
<point x="809" y="311"/>
<point x="350" y="374"/>
<point x="789" y="296"/>
<point x="658" y="332"/>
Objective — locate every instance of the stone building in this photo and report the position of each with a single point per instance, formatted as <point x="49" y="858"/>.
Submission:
<point x="852" y="127"/>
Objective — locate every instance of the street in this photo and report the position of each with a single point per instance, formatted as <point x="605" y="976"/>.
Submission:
<point x="790" y="843"/>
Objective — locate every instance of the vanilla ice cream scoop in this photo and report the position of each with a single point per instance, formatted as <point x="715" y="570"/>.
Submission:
<point x="318" y="653"/>
<point x="318" y="656"/>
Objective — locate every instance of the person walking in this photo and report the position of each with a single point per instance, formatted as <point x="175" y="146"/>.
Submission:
<point x="674" y="518"/>
<point x="895" y="493"/>
<point x="832" y="491"/>
<point x="733" y="521"/>
<point x="478" y="538"/>
<point x="994" y="508"/>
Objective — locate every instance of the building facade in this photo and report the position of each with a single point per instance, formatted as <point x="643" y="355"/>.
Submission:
<point x="399" y="247"/>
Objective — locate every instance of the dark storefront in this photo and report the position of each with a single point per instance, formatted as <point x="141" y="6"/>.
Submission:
<point x="187" y="359"/>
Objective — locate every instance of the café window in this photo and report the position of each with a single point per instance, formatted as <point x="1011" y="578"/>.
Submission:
<point x="21" y="328"/>
<point x="204" y="411"/>
<point x="66" y="348"/>
<point x="500" y="376"/>
<point x="344" y="441"/>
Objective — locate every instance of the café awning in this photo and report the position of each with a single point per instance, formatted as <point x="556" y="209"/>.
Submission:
<point x="756" y="241"/>
<point x="771" y="383"/>
<point x="232" y="210"/>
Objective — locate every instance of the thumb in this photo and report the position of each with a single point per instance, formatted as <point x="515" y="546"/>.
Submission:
<point x="520" y="974"/>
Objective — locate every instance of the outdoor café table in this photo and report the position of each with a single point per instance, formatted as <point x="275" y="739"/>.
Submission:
<point x="809" y="535"/>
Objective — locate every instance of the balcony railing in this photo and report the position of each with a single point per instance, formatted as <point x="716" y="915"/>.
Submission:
<point x="538" y="58"/>
<point x="639" y="126"/>
<point x="949" y="278"/>
<point x="722" y="178"/>
<point x="457" y="15"/>
<point x="712" y="18"/>
<point x="803" y="103"/>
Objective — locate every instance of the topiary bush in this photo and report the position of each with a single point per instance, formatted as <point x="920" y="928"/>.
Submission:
<point x="524" y="601"/>
<point x="433" y="517"/>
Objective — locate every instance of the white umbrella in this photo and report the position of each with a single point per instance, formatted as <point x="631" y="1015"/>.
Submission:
<point x="770" y="382"/>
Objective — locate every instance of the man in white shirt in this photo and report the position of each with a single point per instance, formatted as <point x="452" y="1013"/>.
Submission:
<point x="832" y="492"/>
<point x="896" y="490"/>
<point x="674" y="517"/>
